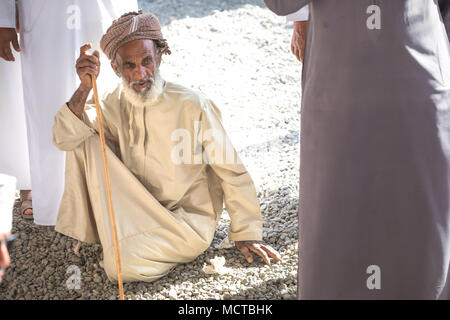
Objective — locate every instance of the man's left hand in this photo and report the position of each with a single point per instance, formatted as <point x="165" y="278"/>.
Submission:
<point x="259" y="247"/>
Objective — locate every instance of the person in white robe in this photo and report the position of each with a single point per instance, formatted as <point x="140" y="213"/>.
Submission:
<point x="14" y="158"/>
<point x="51" y="33"/>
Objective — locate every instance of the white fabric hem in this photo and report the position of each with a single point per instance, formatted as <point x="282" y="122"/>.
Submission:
<point x="300" y="15"/>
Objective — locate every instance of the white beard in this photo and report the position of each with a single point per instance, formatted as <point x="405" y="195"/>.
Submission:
<point x="145" y="97"/>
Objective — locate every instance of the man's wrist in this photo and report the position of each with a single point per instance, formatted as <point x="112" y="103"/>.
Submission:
<point x="84" y="89"/>
<point x="300" y="24"/>
<point x="78" y="100"/>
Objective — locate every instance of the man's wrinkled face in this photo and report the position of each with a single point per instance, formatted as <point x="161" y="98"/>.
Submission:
<point x="137" y="62"/>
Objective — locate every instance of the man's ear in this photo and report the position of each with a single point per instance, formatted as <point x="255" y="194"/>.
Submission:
<point x="116" y="70"/>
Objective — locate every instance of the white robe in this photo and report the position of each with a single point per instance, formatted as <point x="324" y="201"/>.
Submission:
<point x="51" y="35"/>
<point x="14" y="159"/>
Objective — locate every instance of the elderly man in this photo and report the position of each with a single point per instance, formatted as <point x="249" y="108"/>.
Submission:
<point x="374" y="207"/>
<point x="168" y="181"/>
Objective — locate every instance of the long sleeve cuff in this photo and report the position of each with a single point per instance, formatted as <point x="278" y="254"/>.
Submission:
<point x="69" y="131"/>
<point x="7" y="23"/>
<point x="300" y="15"/>
<point x="7" y="14"/>
<point x="255" y="233"/>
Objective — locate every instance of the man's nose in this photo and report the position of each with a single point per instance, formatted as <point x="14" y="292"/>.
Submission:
<point x="140" y="72"/>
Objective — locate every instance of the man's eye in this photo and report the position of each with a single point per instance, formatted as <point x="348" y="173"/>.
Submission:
<point x="146" y="61"/>
<point x="129" y="65"/>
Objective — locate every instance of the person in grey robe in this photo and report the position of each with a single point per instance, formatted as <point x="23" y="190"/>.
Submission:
<point x="374" y="206"/>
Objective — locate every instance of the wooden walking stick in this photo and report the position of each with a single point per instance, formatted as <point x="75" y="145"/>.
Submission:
<point x="108" y="188"/>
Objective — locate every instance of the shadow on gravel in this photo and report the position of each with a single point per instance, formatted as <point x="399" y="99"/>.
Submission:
<point x="256" y="291"/>
<point x="169" y="10"/>
<point x="291" y="138"/>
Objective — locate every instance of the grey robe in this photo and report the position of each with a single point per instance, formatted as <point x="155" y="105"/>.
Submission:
<point x="374" y="207"/>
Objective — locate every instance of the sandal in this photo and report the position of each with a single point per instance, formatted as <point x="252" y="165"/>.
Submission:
<point x="26" y="204"/>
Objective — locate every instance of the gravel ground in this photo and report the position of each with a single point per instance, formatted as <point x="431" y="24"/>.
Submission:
<point x="237" y="53"/>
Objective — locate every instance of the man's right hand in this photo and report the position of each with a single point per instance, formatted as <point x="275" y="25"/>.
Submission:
<point x="8" y="36"/>
<point x="87" y="65"/>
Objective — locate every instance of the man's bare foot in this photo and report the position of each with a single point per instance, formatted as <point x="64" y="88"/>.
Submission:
<point x="26" y="204"/>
